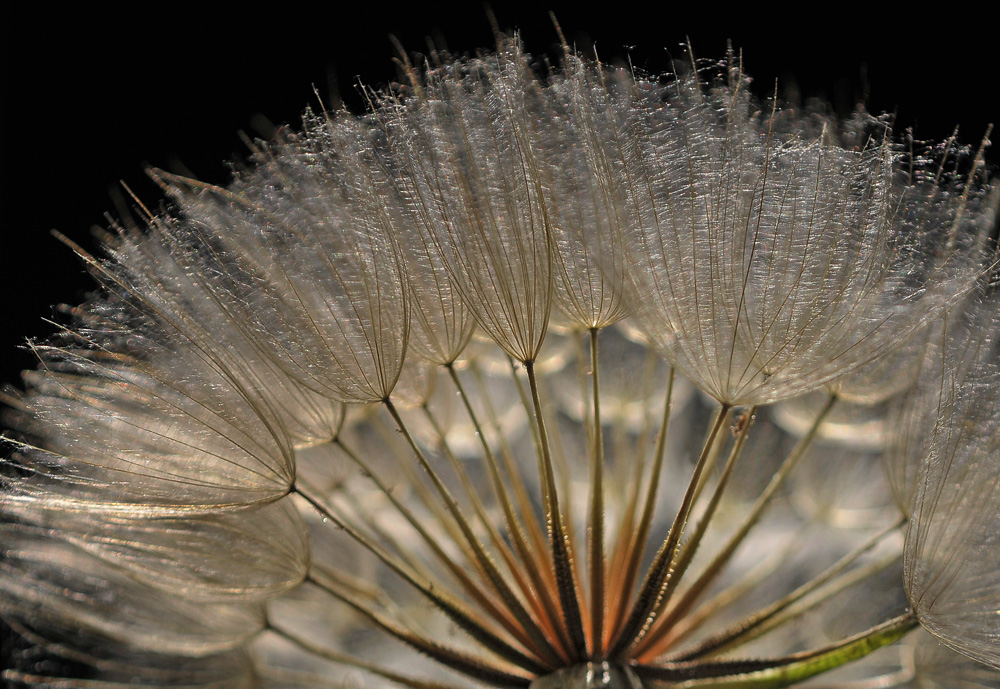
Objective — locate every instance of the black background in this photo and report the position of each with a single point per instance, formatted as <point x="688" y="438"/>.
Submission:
<point x="90" y="99"/>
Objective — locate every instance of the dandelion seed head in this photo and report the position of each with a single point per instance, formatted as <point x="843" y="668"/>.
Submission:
<point x="475" y="389"/>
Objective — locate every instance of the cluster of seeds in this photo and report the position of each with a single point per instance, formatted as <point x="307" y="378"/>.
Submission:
<point x="527" y="377"/>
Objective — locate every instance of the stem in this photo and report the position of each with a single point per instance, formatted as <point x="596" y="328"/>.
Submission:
<point x="389" y="542"/>
<point x="496" y="579"/>
<point x="535" y="563"/>
<point x="460" y="661"/>
<point x="478" y="507"/>
<point x="463" y="477"/>
<point x="596" y="546"/>
<point x="796" y="611"/>
<point x="692" y="594"/>
<point x="455" y="611"/>
<point x="344" y="659"/>
<point x="690" y="623"/>
<point x="644" y="610"/>
<point x="526" y="505"/>
<point x="562" y="549"/>
<point x="461" y="575"/>
<point x="687" y="552"/>
<point x="747" y="627"/>
<point x="411" y="476"/>
<point x="637" y="545"/>
<point x="776" y="673"/>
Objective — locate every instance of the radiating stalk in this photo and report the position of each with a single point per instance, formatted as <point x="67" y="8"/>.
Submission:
<point x="806" y="603"/>
<point x="721" y="600"/>
<point x="472" y="666"/>
<point x="534" y="524"/>
<point x="561" y="468"/>
<point x="620" y="558"/>
<point x="595" y="551"/>
<point x="283" y="677"/>
<point x="738" y="632"/>
<point x="496" y="579"/>
<point x="382" y="535"/>
<point x="643" y="610"/>
<point x="637" y="545"/>
<point x="352" y="661"/>
<point x="533" y="590"/>
<point x="694" y="592"/>
<point x="513" y="471"/>
<point x="357" y="586"/>
<point x="422" y="492"/>
<point x="463" y="476"/>
<point x="477" y="594"/>
<point x="562" y="549"/>
<point x="687" y="552"/>
<point x="536" y="563"/>
<point x="713" y="459"/>
<point x="454" y="610"/>
<point x="775" y="673"/>
<point x="583" y="369"/>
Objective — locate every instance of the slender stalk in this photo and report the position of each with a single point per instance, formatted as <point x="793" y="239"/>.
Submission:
<point x="562" y="549"/>
<point x="620" y="558"/>
<point x="534" y="559"/>
<point x="775" y="673"/>
<point x="644" y="609"/>
<point x="692" y="594"/>
<point x="283" y="677"/>
<point x="474" y="667"/>
<point x="637" y="545"/>
<point x="808" y="602"/>
<point x="710" y="463"/>
<point x="361" y="588"/>
<point x="379" y="534"/>
<point x="533" y="590"/>
<point x="687" y="551"/>
<point x="560" y="464"/>
<point x="745" y="627"/>
<point x="411" y="476"/>
<point x="513" y="472"/>
<point x="595" y="551"/>
<point x="496" y="579"/>
<point x="685" y="627"/>
<point x="583" y="369"/>
<point x="457" y="571"/>
<point x="458" y="613"/>
<point x="352" y="661"/>
<point x="463" y="476"/>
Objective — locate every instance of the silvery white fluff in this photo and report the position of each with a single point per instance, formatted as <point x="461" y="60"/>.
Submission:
<point x="414" y="401"/>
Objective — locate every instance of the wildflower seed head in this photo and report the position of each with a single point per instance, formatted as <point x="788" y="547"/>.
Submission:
<point x="768" y="265"/>
<point x="465" y="157"/>
<point x="952" y="487"/>
<point x="334" y="312"/>
<point x="529" y="377"/>
<point x="101" y="431"/>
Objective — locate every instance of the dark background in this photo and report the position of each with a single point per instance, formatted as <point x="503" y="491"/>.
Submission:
<point x="91" y="99"/>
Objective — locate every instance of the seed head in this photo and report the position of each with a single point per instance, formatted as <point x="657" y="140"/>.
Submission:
<point x="413" y="397"/>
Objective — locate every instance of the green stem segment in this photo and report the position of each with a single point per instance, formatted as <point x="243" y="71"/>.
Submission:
<point x="781" y="672"/>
